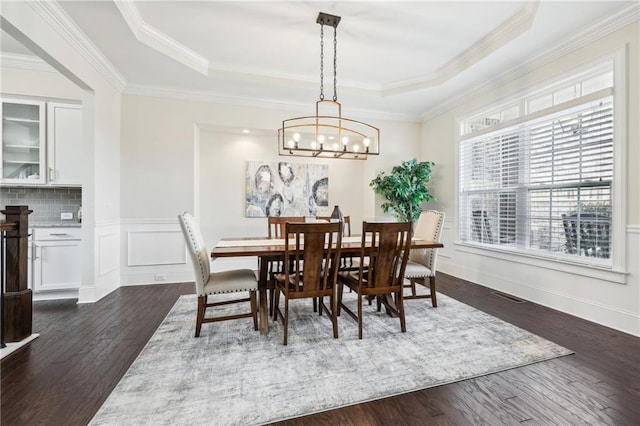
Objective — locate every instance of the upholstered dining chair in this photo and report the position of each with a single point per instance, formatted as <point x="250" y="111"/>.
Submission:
<point x="386" y="245"/>
<point x="320" y="245"/>
<point x="422" y="262"/>
<point x="209" y="283"/>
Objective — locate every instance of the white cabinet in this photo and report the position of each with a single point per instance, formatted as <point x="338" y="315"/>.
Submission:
<point x="56" y="258"/>
<point x="64" y="144"/>
<point x="23" y="142"/>
<point x="39" y="151"/>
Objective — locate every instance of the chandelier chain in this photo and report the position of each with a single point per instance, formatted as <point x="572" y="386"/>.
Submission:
<point x="335" y="64"/>
<point x="321" y="62"/>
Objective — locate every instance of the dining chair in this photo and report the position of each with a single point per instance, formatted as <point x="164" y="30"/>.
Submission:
<point x="320" y="245"/>
<point x="422" y="262"/>
<point x="276" y="225"/>
<point x="209" y="283"/>
<point x="347" y="223"/>
<point x="386" y="245"/>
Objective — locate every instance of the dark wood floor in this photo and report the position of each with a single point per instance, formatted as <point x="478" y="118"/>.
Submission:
<point x="64" y="376"/>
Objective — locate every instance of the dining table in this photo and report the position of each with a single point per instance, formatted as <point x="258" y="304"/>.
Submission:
<point x="269" y="250"/>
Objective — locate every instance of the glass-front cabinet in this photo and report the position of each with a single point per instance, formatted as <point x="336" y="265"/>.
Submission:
<point x="23" y="141"/>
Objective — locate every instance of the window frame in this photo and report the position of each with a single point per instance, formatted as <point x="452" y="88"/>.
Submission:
<point x="615" y="269"/>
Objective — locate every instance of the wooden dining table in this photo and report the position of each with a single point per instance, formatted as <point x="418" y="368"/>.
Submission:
<point x="269" y="250"/>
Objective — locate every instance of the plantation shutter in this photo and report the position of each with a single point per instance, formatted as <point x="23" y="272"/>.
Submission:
<point x="542" y="183"/>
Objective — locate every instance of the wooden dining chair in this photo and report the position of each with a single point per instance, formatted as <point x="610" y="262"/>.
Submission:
<point x="347" y="223"/>
<point x="422" y="262"/>
<point x="277" y="224"/>
<point x="386" y="246"/>
<point x="320" y="245"/>
<point x="209" y="283"/>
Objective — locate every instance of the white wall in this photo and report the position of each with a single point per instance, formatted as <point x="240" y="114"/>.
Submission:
<point x="31" y="23"/>
<point x="165" y="140"/>
<point x="586" y="293"/>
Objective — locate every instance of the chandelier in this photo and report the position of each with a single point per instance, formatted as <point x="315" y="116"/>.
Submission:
<point x="328" y="134"/>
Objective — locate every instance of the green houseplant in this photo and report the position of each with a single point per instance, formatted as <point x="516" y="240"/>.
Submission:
<point x="405" y="189"/>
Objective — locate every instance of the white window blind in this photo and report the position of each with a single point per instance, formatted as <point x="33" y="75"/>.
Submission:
<point x="542" y="185"/>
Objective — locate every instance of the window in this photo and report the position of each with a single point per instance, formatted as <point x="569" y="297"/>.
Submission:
<point x="541" y="183"/>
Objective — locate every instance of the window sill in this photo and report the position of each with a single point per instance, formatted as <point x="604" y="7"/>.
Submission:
<point x="605" y="273"/>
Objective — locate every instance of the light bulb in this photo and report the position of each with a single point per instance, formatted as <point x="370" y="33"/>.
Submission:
<point x="366" y="142"/>
<point x="313" y="144"/>
<point x="291" y="144"/>
<point x="345" y="140"/>
<point x="321" y="138"/>
<point x="335" y="146"/>
<point x="296" y="137"/>
<point x="356" y="148"/>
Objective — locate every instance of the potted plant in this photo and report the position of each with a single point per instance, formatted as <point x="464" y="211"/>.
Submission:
<point x="405" y="189"/>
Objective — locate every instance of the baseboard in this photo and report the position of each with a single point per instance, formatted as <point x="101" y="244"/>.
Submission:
<point x="618" y="319"/>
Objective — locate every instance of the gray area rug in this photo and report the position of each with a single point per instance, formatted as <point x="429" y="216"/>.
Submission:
<point x="232" y="375"/>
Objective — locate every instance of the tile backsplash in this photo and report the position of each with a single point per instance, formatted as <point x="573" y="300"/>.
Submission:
<point x="47" y="203"/>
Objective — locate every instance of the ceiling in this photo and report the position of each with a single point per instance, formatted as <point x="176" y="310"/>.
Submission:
<point x="395" y="59"/>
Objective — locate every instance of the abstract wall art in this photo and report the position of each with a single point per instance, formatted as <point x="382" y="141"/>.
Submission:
<point x="287" y="189"/>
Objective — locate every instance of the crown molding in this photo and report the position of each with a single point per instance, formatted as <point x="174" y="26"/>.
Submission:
<point x="25" y="62"/>
<point x="494" y="40"/>
<point x="58" y="19"/>
<point x="211" y="97"/>
<point x="614" y="22"/>
<point x="158" y="40"/>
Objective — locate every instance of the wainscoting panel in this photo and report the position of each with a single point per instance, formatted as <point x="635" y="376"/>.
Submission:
<point x="155" y="247"/>
<point x="153" y="252"/>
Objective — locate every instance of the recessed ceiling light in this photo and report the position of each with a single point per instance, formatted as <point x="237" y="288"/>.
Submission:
<point x="246" y="131"/>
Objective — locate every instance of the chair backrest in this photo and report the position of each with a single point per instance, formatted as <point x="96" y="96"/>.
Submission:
<point x="346" y="219"/>
<point x="481" y="227"/>
<point x="428" y="227"/>
<point x="386" y="244"/>
<point x="277" y="223"/>
<point x="319" y="245"/>
<point x="197" y="250"/>
<point x="588" y="234"/>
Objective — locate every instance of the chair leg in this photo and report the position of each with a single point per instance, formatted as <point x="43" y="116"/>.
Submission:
<point x="413" y="286"/>
<point x="276" y="302"/>
<point x="360" y="315"/>
<point x="340" y="291"/>
<point x="334" y="316"/>
<point x="315" y="306"/>
<point x="202" y="300"/>
<point x="254" y="308"/>
<point x="286" y="319"/>
<point x="432" y="284"/>
<point x="400" y="305"/>
<point x="320" y="301"/>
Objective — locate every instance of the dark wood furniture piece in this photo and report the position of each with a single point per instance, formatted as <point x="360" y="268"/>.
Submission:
<point x="210" y="283"/>
<point x="318" y="245"/>
<point x="268" y="251"/>
<point x="277" y="224"/>
<point x="386" y="245"/>
<point x="587" y="233"/>
<point x="16" y="298"/>
<point x="345" y="219"/>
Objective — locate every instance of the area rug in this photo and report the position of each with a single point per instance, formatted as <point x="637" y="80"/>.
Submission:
<point x="232" y="375"/>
